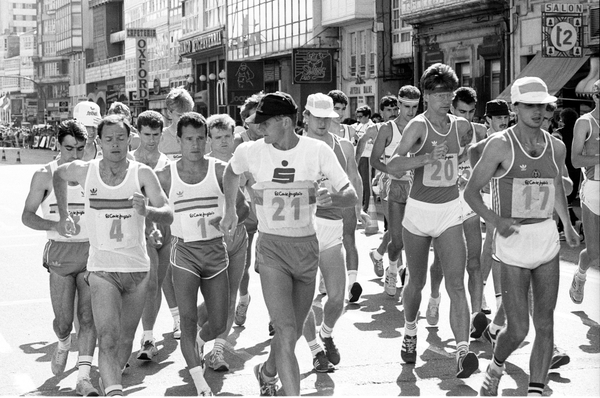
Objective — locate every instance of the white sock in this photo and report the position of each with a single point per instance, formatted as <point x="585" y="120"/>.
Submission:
<point x="219" y="344"/>
<point x="377" y="255"/>
<point x="410" y="328"/>
<point x="115" y="389"/>
<point x="326" y="330"/>
<point x="435" y="300"/>
<point x="581" y="274"/>
<point x="147" y="336"/>
<point x="197" y="374"/>
<point x="245" y="299"/>
<point x="462" y="348"/>
<point x="315" y="347"/>
<point x="65" y="344"/>
<point x="84" y="365"/>
<point x="352" y="274"/>
<point x="495" y="328"/>
<point x="174" y="312"/>
<point x="394" y="266"/>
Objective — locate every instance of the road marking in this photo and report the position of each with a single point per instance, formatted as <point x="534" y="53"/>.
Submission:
<point x="5" y="348"/>
<point x="23" y="382"/>
<point x="22" y="302"/>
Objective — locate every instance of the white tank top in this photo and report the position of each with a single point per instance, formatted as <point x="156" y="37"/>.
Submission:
<point x="116" y="230"/>
<point x="195" y="205"/>
<point x="76" y="207"/>
<point x="464" y="168"/>
<point x="389" y="151"/>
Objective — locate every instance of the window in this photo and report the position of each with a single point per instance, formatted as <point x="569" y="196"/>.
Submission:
<point x="463" y="71"/>
<point x="352" y="53"/>
<point x="495" y="66"/>
<point x="396" y="14"/>
<point x="404" y="37"/>
<point x="362" y="44"/>
<point x="373" y="54"/>
<point x="214" y="13"/>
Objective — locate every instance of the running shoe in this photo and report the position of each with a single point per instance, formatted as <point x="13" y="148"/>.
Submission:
<point x="216" y="361"/>
<point x="466" y="364"/>
<point x="176" y="329"/>
<point x="433" y="312"/>
<point x="377" y="264"/>
<point x="267" y="388"/>
<point x="355" y="292"/>
<point x="478" y="324"/>
<point x="85" y="388"/>
<point x="148" y="351"/>
<point x="490" y="383"/>
<point x="271" y="329"/>
<point x="491" y="338"/>
<point x="409" y="349"/>
<point x="240" y="312"/>
<point x="559" y="358"/>
<point x="576" y="290"/>
<point x="389" y="285"/>
<point x="331" y="350"/>
<point x="321" y="364"/>
<point x="59" y="361"/>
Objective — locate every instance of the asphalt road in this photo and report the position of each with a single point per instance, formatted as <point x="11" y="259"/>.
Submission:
<point x="369" y="334"/>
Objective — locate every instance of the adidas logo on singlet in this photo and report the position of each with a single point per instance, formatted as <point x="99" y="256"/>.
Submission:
<point x="93" y="192"/>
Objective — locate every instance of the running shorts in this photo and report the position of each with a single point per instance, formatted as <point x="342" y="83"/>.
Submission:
<point x="329" y="233"/>
<point x="534" y="245"/>
<point x="590" y="195"/>
<point x="297" y="257"/>
<point x="204" y="259"/>
<point x="66" y="258"/>
<point x="431" y="219"/>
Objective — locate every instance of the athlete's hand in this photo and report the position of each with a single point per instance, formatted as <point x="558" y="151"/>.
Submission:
<point x="364" y="218"/>
<point x="508" y="226"/>
<point x="140" y="202"/>
<point x="66" y="227"/>
<point x="228" y="224"/>
<point x="571" y="236"/>
<point x="155" y="238"/>
<point x="323" y="197"/>
<point x="439" y="151"/>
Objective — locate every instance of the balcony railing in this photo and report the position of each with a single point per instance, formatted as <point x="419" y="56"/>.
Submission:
<point x="415" y="11"/>
<point x="106" y="61"/>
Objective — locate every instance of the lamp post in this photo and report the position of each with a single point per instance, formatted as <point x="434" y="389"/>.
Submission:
<point x="39" y="89"/>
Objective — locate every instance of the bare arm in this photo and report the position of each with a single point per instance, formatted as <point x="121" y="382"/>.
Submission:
<point x="352" y="171"/>
<point x="75" y="171"/>
<point x="560" y="199"/>
<point x="495" y="153"/>
<point x="371" y="133"/>
<point x="159" y="210"/>
<point x="382" y="140"/>
<point x="231" y="182"/>
<point x="39" y="189"/>
<point x="413" y="134"/>
<point x="580" y="133"/>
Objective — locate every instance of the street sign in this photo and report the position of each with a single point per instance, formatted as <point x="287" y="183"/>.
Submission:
<point x="562" y="30"/>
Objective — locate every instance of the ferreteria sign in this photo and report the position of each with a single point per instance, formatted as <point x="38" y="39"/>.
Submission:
<point x="562" y="30"/>
<point x="201" y="42"/>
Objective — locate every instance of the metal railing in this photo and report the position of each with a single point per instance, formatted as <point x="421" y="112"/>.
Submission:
<point x="105" y="61"/>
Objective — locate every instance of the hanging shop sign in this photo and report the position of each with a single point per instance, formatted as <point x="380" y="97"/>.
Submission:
<point x="562" y="30"/>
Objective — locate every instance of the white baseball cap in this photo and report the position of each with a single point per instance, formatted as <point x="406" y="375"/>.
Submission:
<point x="320" y="105"/>
<point x="88" y="113"/>
<point x="530" y="90"/>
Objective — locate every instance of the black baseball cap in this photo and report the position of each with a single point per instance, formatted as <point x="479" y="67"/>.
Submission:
<point x="273" y="104"/>
<point x="496" y="107"/>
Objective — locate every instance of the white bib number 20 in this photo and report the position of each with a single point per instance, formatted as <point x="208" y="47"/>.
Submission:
<point x="442" y="172"/>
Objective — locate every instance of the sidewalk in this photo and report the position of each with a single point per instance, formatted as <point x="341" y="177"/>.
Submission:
<point x="27" y="156"/>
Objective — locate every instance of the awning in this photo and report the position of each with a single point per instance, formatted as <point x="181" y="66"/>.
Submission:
<point x="555" y="72"/>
